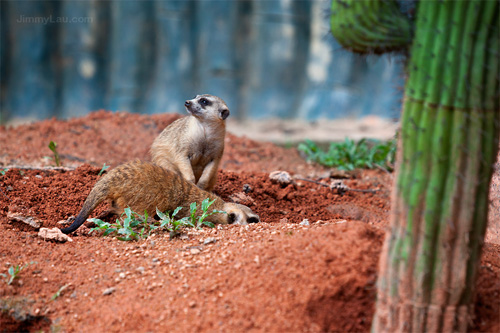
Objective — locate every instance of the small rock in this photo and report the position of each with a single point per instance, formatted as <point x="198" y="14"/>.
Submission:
<point x="194" y="251"/>
<point x="184" y="237"/>
<point x="339" y="186"/>
<point x="68" y="221"/>
<point x="209" y="240"/>
<point x="140" y="269"/>
<point x="122" y="275"/>
<point x="281" y="177"/>
<point x="38" y="176"/>
<point x="304" y="222"/>
<point x="247" y="188"/>
<point x="242" y="198"/>
<point x="192" y="304"/>
<point x="156" y="260"/>
<point x="109" y="291"/>
<point x="19" y="217"/>
<point x="53" y="234"/>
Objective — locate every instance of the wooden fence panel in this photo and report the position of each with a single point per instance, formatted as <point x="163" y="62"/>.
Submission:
<point x="265" y="58"/>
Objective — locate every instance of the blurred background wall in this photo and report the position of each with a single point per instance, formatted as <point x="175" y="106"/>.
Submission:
<point x="265" y="58"/>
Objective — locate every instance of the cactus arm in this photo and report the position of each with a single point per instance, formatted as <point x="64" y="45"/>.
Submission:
<point x="370" y="26"/>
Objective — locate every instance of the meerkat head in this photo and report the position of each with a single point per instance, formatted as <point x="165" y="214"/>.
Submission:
<point x="240" y="214"/>
<point x="207" y="107"/>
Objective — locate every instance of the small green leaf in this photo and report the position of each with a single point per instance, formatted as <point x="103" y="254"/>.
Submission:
<point x="52" y="146"/>
<point x="104" y="168"/>
<point x="161" y="215"/>
<point x="176" y="211"/>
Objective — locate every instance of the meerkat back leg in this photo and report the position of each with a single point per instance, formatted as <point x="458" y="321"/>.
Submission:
<point x="209" y="176"/>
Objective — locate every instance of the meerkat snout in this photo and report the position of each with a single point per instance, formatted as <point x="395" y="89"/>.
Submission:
<point x="240" y="214"/>
<point x="207" y="107"/>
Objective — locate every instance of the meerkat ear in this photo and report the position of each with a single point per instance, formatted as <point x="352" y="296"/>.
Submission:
<point x="224" y="113"/>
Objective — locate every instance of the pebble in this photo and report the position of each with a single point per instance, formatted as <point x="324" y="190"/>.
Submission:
<point x="109" y="291"/>
<point x="194" y="251"/>
<point x="304" y="222"/>
<point x="247" y="188"/>
<point x="281" y="177"/>
<point x="209" y="240"/>
<point x="140" y="269"/>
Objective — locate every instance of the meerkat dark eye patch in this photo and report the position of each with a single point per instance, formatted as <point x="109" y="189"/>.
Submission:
<point x="204" y="102"/>
<point x="231" y="218"/>
<point x="224" y="114"/>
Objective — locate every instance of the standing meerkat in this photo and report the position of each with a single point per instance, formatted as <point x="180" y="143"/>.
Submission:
<point x="144" y="186"/>
<point x="193" y="146"/>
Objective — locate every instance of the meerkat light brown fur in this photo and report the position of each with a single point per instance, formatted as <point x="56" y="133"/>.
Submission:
<point x="144" y="186"/>
<point x="193" y="146"/>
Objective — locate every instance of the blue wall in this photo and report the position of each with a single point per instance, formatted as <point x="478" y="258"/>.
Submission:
<point x="265" y="58"/>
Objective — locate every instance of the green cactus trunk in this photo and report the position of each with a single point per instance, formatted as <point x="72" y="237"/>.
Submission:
<point x="447" y="148"/>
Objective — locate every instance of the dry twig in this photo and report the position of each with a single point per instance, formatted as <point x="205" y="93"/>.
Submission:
<point x="341" y="188"/>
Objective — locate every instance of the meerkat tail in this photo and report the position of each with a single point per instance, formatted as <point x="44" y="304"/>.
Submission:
<point x="98" y="194"/>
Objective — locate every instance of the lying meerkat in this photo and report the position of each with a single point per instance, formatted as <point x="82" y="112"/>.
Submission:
<point x="193" y="146"/>
<point x="144" y="186"/>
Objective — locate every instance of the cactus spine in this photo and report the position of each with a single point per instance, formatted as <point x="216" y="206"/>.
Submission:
<point x="448" y="145"/>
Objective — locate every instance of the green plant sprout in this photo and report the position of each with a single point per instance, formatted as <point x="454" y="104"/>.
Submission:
<point x="350" y="155"/>
<point x="14" y="272"/>
<point x="53" y="147"/>
<point x="4" y="171"/>
<point x="136" y="227"/>
<point x="104" y="168"/>
<point x="129" y="229"/>
<point x="58" y="293"/>
<point x="170" y="223"/>
<point x="198" y="222"/>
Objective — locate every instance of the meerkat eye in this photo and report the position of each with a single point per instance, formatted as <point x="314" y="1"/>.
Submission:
<point x="253" y="219"/>
<point x="204" y="101"/>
